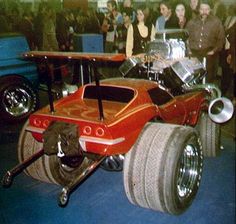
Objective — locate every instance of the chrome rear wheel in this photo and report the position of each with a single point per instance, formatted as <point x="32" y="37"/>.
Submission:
<point x="188" y="171"/>
<point x="163" y="169"/>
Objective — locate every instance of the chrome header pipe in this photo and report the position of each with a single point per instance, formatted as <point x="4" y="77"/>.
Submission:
<point x="220" y="108"/>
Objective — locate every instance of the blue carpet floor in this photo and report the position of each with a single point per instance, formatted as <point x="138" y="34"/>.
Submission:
<point x="101" y="198"/>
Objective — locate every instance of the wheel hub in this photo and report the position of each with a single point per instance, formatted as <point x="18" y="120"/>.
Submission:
<point x="16" y="101"/>
<point x="189" y="173"/>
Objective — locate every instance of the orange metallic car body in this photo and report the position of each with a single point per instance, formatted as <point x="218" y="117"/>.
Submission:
<point x="123" y="121"/>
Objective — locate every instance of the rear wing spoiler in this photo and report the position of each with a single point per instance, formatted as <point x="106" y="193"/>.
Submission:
<point x="45" y="56"/>
<point x="75" y="56"/>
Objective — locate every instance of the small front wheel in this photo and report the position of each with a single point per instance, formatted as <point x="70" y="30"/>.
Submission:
<point x="7" y="180"/>
<point x="63" y="198"/>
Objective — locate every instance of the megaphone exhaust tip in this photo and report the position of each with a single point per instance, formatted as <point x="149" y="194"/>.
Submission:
<point x="221" y="110"/>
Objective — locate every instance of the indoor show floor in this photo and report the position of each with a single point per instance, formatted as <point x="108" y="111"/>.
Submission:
<point x="101" y="198"/>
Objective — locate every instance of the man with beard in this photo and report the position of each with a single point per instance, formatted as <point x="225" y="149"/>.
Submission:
<point x="206" y="38"/>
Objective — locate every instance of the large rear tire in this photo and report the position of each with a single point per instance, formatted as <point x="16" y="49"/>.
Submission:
<point x="163" y="169"/>
<point x="48" y="169"/>
<point x="210" y="136"/>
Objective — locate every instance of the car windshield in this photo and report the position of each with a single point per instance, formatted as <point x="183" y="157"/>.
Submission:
<point x="110" y="93"/>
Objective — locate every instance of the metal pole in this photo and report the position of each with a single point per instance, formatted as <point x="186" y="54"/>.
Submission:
<point x="8" y="177"/>
<point x="204" y="65"/>
<point x="81" y="72"/>
<point x="99" y="92"/>
<point x="49" y="85"/>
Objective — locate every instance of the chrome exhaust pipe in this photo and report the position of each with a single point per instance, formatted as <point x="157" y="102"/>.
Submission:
<point x="220" y="109"/>
<point x="212" y="89"/>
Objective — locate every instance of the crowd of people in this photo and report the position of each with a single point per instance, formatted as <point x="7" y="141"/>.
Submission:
<point x="48" y="29"/>
<point x="129" y="26"/>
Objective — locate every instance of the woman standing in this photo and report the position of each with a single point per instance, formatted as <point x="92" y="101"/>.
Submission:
<point x="193" y="8"/>
<point x="167" y="20"/>
<point x="139" y="33"/>
<point x="180" y="11"/>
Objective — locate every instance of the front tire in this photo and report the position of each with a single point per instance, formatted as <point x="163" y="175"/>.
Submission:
<point x="163" y="169"/>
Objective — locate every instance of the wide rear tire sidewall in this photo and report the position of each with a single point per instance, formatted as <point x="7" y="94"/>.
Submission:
<point x="171" y="168"/>
<point x="152" y="167"/>
<point x="210" y="135"/>
<point x="47" y="168"/>
<point x="15" y="81"/>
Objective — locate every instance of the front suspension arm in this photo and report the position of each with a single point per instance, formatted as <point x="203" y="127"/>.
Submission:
<point x="10" y="174"/>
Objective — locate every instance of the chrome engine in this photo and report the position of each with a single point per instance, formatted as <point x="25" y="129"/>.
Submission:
<point x="165" y="62"/>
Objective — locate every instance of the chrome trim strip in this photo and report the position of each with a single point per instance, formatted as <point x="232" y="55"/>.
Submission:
<point x="34" y="129"/>
<point x="83" y="139"/>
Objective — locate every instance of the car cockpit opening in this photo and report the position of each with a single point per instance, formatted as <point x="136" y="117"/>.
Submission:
<point x="109" y="93"/>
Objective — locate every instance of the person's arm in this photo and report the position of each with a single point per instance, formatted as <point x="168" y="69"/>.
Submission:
<point x="188" y="28"/>
<point x="220" y="39"/>
<point x="105" y="25"/>
<point x="157" y="25"/>
<point x="153" y="33"/>
<point x="231" y="58"/>
<point x="130" y="41"/>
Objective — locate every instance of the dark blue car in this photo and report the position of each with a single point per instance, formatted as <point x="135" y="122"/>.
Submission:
<point x="18" y="79"/>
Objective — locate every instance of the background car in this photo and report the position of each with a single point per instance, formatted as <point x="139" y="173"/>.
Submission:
<point x="18" y="79"/>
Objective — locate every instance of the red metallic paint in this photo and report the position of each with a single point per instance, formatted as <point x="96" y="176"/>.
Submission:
<point x="123" y="121"/>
